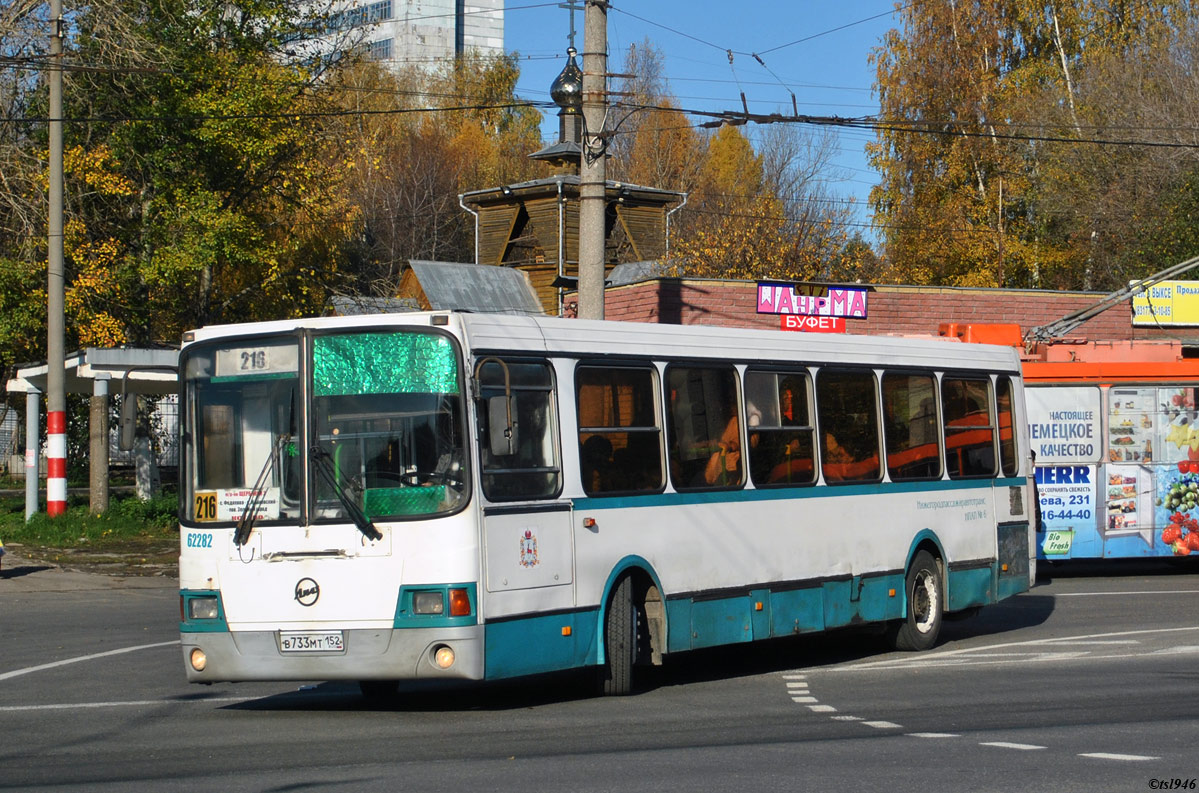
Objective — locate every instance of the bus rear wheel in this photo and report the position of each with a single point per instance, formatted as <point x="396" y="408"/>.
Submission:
<point x="620" y="641"/>
<point x="925" y="594"/>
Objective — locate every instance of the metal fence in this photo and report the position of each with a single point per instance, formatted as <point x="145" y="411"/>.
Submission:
<point x="9" y="438"/>
<point x="164" y="437"/>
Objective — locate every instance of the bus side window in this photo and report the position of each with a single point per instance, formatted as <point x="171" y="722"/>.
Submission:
<point x="969" y="434"/>
<point x="1008" y="457"/>
<point x="848" y="417"/>
<point x="705" y="434"/>
<point x="532" y="470"/>
<point x="910" y="426"/>
<point x="780" y="432"/>
<point x="620" y="440"/>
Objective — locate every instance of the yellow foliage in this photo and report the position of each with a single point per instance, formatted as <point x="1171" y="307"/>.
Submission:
<point x="95" y="168"/>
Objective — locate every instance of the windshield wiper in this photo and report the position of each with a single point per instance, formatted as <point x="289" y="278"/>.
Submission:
<point x="245" y="524"/>
<point x="320" y="460"/>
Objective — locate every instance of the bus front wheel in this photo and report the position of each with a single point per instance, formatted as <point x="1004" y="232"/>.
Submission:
<point x="925" y="595"/>
<point x="620" y="641"/>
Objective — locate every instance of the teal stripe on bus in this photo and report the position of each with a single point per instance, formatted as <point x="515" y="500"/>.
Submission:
<point x="972" y="587"/>
<point x="785" y="493"/>
<point x="695" y="623"/>
<point x="536" y="644"/>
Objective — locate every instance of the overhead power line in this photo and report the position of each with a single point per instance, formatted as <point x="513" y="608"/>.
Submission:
<point x="718" y="118"/>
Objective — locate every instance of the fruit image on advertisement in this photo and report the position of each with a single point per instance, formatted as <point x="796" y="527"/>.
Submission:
<point x="1180" y="430"/>
<point x="1178" y="498"/>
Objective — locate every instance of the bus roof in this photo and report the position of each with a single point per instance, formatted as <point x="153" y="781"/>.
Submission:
<point x="548" y="335"/>
<point x="1111" y="371"/>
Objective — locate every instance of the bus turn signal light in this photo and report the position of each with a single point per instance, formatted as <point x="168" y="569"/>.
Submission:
<point x="199" y="660"/>
<point x="459" y="603"/>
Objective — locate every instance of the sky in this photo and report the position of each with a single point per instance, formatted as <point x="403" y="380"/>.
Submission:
<point x="817" y="50"/>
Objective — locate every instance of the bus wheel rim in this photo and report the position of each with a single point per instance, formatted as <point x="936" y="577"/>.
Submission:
<point x="924" y="603"/>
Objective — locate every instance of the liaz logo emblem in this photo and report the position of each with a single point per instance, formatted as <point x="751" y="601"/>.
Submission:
<point x="307" y="591"/>
<point x="528" y="549"/>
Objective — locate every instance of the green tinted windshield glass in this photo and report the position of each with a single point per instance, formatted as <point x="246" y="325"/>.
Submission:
<point x="383" y="363"/>
<point x="388" y="425"/>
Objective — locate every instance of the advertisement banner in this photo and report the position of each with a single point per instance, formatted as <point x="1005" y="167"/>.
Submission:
<point x="812" y="324"/>
<point x="1064" y="424"/>
<point x="1067" y="499"/>
<point x="816" y="300"/>
<point x="1167" y="303"/>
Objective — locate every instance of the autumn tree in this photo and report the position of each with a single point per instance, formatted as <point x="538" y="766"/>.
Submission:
<point x="1008" y="148"/>
<point x="199" y="181"/>
<point x="653" y="144"/>
<point x="753" y="211"/>
<point x="420" y="139"/>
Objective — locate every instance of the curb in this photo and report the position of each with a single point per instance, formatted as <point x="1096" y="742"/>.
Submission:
<point x="18" y="574"/>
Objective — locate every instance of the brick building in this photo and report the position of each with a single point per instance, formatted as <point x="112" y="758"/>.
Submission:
<point x="892" y="309"/>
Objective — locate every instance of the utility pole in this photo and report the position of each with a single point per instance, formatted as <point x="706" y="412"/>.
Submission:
<point x="592" y="168"/>
<point x="56" y="370"/>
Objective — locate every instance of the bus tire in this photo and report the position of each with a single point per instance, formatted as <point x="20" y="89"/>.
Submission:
<point x="620" y="641"/>
<point x="925" y="595"/>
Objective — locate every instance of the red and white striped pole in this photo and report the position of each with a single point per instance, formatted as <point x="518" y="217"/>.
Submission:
<point x="56" y="401"/>
<point x="56" y="462"/>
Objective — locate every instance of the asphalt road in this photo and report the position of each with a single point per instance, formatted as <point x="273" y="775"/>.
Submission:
<point x="1089" y="682"/>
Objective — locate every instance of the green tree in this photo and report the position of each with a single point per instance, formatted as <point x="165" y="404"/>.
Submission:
<point x="201" y="183"/>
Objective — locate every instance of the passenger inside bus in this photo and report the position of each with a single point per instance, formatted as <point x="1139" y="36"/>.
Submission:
<point x="724" y="466"/>
<point x="596" y="460"/>
<point x="780" y="452"/>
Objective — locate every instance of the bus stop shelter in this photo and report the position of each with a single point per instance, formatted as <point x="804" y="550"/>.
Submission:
<point x="99" y="372"/>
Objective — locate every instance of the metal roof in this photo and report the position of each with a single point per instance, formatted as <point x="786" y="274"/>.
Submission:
<point x="129" y="369"/>
<point x="476" y="287"/>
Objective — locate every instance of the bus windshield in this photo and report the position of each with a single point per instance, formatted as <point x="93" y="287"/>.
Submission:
<point x="387" y="424"/>
<point x="241" y="439"/>
<point x="385" y="435"/>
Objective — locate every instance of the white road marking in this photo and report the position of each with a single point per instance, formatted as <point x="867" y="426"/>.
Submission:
<point x="822" y="708"/>
<point x="1125" y="757"/>
<point x="928" y="658"/>
<point x="1025" y="747"/>
<point x="804" y="699"/>
<point x="136" y="703"/>
<point x="1123" y="594"/>
<point x="1182" y="649"/>
<point x="81" y="658"/>
<point x="934" y="735"/>
<point x="883" y="725"/>
<point x="847" y="718"/>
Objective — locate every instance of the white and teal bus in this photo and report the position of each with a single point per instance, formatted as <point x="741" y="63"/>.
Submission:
<point x="472" y="496"/>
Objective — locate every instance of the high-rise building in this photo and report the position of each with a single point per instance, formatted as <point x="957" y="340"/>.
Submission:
<point x="425" y="33"/>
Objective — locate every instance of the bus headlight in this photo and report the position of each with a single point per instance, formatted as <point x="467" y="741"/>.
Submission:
<point x="198" y="659"/>
<point x="203" y="608"/>
<point x="428" y="603"/>
<point x="443" y="656"/>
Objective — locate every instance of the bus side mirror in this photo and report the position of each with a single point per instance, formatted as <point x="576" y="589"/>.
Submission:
<point x="127" y="423"/>
<point x="500" y="427"/>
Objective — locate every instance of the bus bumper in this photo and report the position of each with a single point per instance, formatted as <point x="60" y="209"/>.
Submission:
<point x="367" y="654"/>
